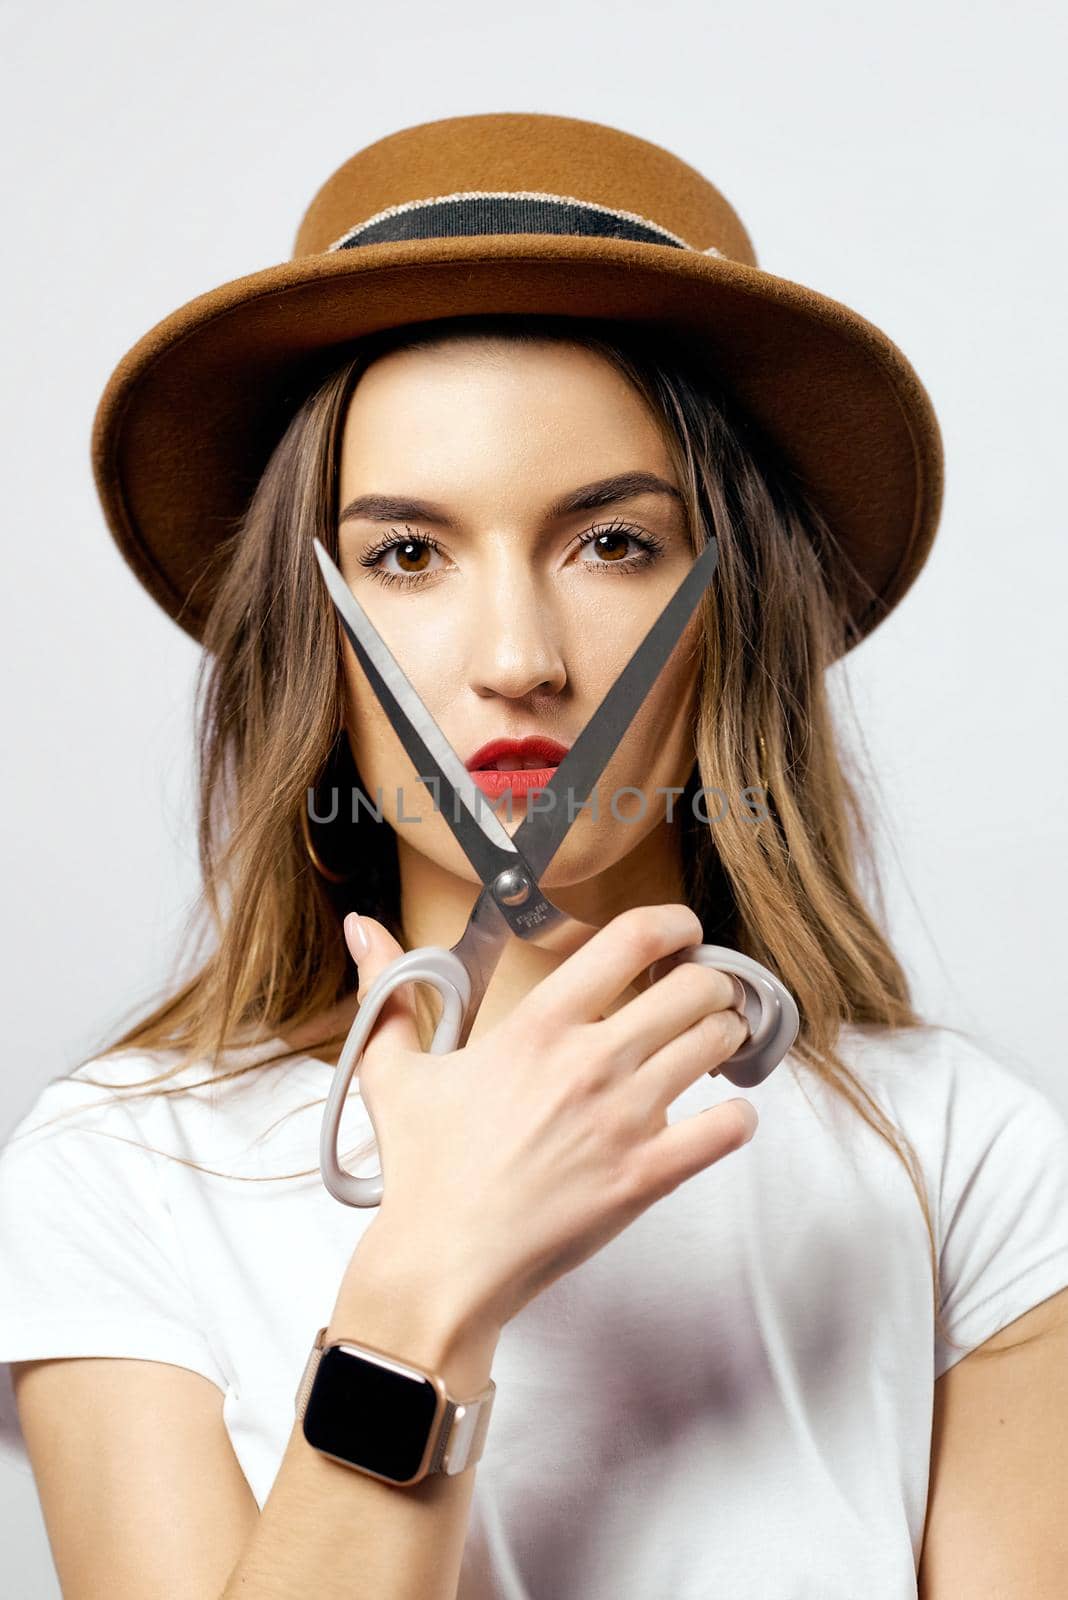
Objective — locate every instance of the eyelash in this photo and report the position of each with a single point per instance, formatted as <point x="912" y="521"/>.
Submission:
<point x="650" y="545"/>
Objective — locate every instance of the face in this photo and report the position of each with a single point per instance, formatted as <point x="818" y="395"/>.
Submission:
<point x="511" y="613"/>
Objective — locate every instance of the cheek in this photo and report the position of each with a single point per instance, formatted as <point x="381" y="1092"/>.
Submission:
<point x="659" y="749"/>
<point x="376" y="749"/>
<point x="656" y="753"/>
<point x="362" y="713"/>
<point x="678" y="714"/>
<point x="421" y="659"/>
<point x="381" y="762"/>
<point x="387" y="779"/>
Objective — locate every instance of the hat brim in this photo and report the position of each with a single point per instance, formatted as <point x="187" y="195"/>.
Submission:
<point x="193" y="411"/>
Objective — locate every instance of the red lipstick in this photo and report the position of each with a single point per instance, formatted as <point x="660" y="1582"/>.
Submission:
<point x="516" y="764"/>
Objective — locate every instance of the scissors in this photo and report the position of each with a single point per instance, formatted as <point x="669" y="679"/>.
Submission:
<point x="512" y="903"/>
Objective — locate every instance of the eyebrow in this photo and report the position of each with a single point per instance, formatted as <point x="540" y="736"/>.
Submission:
<point x="605" y="492"/>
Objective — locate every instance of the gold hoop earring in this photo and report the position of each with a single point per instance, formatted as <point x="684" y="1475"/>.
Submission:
<point x="316" y="860"/>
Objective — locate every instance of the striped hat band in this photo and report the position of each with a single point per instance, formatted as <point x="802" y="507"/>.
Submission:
<point x="473" y="212"/>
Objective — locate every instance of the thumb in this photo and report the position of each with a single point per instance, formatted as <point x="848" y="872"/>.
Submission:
<point x="373" y="948"/>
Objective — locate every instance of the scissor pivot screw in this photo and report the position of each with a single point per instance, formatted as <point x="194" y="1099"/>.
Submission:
<point x="512" y="887"/>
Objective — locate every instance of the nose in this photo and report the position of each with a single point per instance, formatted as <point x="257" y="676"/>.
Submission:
<point x="515" y="633"/>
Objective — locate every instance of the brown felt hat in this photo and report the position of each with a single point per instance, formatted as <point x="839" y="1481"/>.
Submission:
<point x="511" y="212"/>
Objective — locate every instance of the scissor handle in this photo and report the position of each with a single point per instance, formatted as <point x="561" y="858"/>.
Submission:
<point x="770" y="1010"/>
<point x="447" y="974"/>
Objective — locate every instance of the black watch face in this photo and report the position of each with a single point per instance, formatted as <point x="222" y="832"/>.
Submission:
<point x="369" y="1415"/>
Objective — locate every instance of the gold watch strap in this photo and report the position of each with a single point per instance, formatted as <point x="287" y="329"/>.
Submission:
<point x="464" y="1424"/>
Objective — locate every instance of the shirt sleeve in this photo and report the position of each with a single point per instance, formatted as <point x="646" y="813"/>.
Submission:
<point x="89" y="1264"/>
<point x="1003" y="1202"/>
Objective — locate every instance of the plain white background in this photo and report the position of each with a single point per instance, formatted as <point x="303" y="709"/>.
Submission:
<point x="908" y="162"/>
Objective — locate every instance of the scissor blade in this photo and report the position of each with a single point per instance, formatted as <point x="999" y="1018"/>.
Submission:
<point x="480" y="832"/>
<point x="541" y="832"/>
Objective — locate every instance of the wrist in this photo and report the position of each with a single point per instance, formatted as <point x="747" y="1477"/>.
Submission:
<point x="389" y="1301"/>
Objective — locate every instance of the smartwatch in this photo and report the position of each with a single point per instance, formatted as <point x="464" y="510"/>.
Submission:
<point x="386" y="1416"/>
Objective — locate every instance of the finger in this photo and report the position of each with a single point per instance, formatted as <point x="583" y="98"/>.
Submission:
<point x="593" y="977"/>
<point x="666" y="1009"/>
<point x="704" y="1047"/>
<point x="695" y="1143"/>
<point x="396" y="1027"/>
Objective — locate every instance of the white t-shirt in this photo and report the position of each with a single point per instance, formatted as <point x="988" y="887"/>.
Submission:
<point x="730" y="1399"/>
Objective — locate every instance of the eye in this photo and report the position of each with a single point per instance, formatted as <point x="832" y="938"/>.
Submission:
<point x="609" y="542"/>
<point x="412" y="554"/>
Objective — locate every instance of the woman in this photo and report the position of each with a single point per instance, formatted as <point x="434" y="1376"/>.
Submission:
<point x="715" y="1369"/>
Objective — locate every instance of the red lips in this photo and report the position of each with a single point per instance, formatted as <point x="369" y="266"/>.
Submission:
<point x="536" y="747"/>
<point x="531" y="765"/>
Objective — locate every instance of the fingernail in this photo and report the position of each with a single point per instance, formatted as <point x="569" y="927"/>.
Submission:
<point x="355" y="922"/>
<point x="749" y="1112"/>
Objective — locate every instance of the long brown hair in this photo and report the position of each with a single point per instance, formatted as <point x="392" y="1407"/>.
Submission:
<point x="270" y="715"/>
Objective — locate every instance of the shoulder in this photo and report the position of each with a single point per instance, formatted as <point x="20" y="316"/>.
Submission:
<point x="943" y="1086"/>
<point x="104" y="1092"/>
<point x="156" y="1100"/>
<point x="79" y="1129"/>
<point x="965" y="1113"/>
<point x="994" y="1151"/>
